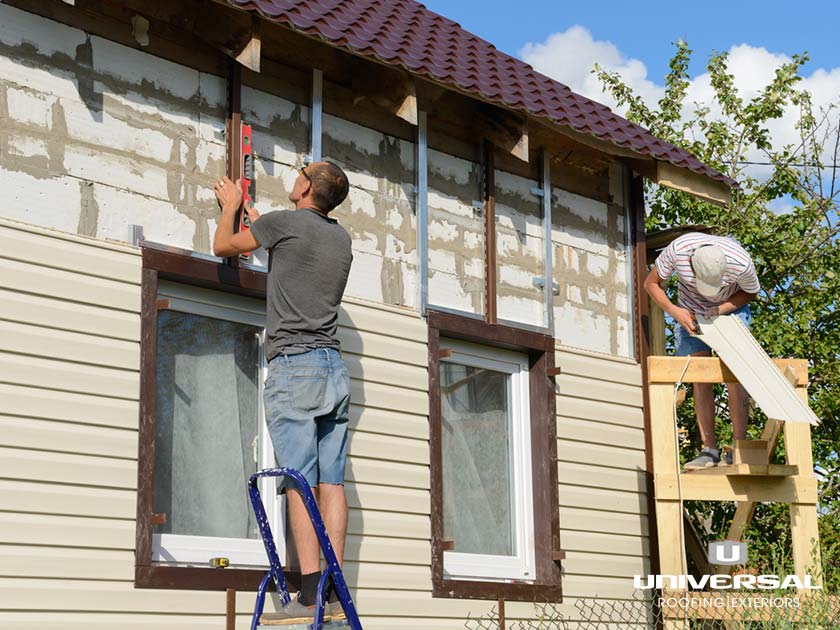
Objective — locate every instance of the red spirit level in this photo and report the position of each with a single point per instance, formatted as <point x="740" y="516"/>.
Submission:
<point x="248" y="183"/>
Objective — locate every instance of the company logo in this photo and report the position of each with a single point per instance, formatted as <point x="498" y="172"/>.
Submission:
<point x="727" y="552"/>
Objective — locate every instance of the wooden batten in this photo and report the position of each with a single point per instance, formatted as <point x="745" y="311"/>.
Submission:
<point x="391" y="90"/>
<point x="507" y="131"/>
<point x="235" y="33"/>
<point x="700" y="186"/>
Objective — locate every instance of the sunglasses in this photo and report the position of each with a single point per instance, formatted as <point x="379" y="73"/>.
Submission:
<point x="302" y="171"/>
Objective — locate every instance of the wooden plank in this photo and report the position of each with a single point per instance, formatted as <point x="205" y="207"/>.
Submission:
<point x="67" y="437"/>
<point x="755" y="470"/>
<point x="711" y="370"/>
<point x="669" y="515"/>
<point x="723" y="488"/>
<point x="49" y="313"/>
<point x="700" y="186"/>
<point x="64" y="345"/>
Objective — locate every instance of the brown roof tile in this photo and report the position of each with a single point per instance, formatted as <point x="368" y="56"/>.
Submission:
<point x="405" y="33"/>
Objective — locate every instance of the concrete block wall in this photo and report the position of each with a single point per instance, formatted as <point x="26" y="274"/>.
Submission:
<point x="95" y="136"/>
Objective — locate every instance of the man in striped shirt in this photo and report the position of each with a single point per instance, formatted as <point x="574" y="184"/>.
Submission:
<point x="716" y="276"/>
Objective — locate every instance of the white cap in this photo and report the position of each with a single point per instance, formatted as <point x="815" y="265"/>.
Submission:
<point x="709" y="263"/>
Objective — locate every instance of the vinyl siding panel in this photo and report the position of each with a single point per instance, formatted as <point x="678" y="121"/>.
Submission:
<point x="69" y="385"/>
<point x="601" y="472"/>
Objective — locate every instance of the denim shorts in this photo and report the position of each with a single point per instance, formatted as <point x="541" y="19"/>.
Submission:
<point x="307" y="404"/>
<point x="687" y="344"/>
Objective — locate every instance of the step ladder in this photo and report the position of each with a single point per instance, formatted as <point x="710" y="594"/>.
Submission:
<point x="275" y="571"/>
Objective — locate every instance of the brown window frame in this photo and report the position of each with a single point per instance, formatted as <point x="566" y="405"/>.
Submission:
<point x="548" y="554"/>
<point x="186" y="268"/>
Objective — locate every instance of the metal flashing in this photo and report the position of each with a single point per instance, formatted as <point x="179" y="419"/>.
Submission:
<point x="738" y="349"/>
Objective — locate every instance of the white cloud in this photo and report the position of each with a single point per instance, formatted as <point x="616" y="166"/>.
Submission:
<point x="571" y="55"/>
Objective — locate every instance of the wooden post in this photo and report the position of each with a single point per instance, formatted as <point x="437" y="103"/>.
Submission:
<point x="656" y="321"/>
<point x="230" y="612"/>
<point x="805" y="533"/>
<point x="793" y="483"/>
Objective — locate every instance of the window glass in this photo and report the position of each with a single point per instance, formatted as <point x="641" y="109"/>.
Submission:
<point x="207" y="425"/>
<point x="486" y="463"/>
<point x="475" y="437"/>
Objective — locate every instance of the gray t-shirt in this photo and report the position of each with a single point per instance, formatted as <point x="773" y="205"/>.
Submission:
<point x="309" y="261"/>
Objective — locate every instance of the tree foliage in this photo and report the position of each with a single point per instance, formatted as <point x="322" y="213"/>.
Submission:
<point x="796" y="251"/>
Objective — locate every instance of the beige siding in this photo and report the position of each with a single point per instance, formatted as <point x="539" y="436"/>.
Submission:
<point x="601" y="463"/>
<point x="69" y="382"/>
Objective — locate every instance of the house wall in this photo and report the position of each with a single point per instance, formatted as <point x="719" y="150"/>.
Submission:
<point x="69" y="360"/>
<point x="95" y="136"/>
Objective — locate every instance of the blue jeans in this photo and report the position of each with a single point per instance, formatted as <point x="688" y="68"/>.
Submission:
<point x="687" y="344"/>
<point x="307" y="405"/>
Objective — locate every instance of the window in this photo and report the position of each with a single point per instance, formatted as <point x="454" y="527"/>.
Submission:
<point x="210" y="434"/>
<point x="202" y="429"/>
<point x="486" y="463"/>
<point x="495" y="509"/>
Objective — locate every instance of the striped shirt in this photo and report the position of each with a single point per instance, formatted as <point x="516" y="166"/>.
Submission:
<point x="676" y="258"/>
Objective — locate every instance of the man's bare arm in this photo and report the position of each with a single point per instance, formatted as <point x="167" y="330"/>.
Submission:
<point x="226" y="242"/>
<point x="653" y="286"/>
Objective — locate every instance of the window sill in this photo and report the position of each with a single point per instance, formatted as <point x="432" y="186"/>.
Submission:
<point x="510" y="591"/>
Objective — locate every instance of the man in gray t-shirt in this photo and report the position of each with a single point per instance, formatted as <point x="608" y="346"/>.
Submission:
<point x="307" y="390"/>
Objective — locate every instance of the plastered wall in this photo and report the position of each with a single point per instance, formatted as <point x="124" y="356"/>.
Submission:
<point x="96" y="136"/>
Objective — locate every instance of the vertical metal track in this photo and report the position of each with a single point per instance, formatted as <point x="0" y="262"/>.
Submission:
<point x="549" y="248"/>
<point x="317" y="115"/>
<point x="422" y="214"/>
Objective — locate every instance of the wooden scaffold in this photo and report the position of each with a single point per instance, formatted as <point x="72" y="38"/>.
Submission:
<point x="752" y="477"/>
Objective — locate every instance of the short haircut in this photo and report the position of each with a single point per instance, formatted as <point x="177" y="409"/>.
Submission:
<point x="329" y="185"/>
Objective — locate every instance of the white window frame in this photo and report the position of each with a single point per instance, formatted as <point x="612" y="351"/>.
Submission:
<point x="522" y="565"/>
<point x="181" y="550"/>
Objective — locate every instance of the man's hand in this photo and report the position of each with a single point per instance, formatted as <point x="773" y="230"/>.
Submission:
<point x="684" y="318"/>
<point x="251" y="211"/>
<point x="229" y="195"/>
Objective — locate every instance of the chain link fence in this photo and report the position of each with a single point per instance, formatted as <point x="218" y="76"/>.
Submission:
<point x="752" y="610"/>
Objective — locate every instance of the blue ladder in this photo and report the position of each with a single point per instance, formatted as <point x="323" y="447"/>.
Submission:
<point x="275" y="571"/>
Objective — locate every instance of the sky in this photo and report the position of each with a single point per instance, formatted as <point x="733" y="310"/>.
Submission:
<point x="565" y="39"/>
<point x="645" y="29"/>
